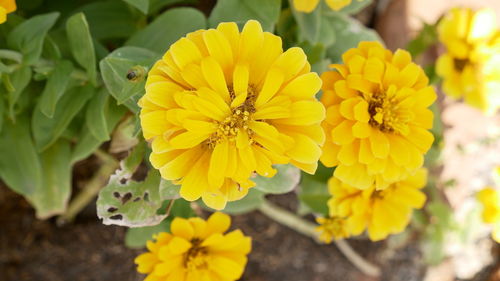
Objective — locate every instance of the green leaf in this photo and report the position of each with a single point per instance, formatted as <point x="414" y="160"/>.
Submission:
<point x="142" y="5"/>
<point x="168" y="28"/>
<point x="55" y="87"/>
<point x="134" y="158"/>
<point x="20" y="166"/>
<point x="247" y="204"/>
<point x="52" y="196"/>
<point x="82" y="47"/>
<point x="265" y="11"/>
<point x="129" y="203"/>
<point x="28" y="37"/>
<point x="285" y="180"/>
<point x="138" y="236"/>
<point x="125" y="135"/>
<point x="110" y="19"/>
<point x="157" y="5"/>
<point x="313" y="193"/>
<point x="309" y="24"/>
<point x="114" y="69"/>
<point x="96" y="113"/>
<point x="19" y="79"/>
<point x="355" y="7"/>
<point x="47" y="130"/>
<point x="168" y="190"/>
<point x="87" y="143"/>
<point x="427" y="37"/>
<point x="348" y="33"/>
<point x="2" y="112"/>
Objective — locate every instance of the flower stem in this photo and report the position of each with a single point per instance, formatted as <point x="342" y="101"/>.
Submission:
<point x="306" y="228"/>
<point x="91" y="189"/>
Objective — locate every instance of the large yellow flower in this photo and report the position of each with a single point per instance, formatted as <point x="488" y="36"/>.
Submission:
<point x="490" y="199"/>
<point x="470" y="68"/>
<point x="380" y="212"/>
<point x="196" y="250"/>
<point x="377" y="118"/>
<point x="221" y="105"/>
<point x="6" y="7"/>
<point x="308" y="6"/>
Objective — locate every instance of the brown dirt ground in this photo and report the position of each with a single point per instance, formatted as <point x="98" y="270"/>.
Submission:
<point x="89" y="251"/>
<point x="33" y="250"/>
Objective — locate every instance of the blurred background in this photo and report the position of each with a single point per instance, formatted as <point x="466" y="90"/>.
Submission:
<point x="32" y="249"/>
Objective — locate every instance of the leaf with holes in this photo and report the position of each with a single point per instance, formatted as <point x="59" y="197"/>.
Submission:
<point x="285" y="180"/>
<point x="130" y="203"/>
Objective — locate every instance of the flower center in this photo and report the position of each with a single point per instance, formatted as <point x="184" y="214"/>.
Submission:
<point x="238" y="120"/>
<point x="459" y="64"/>
<point x="335" y="226"/>
<point x="385" y="116"/>
<point x="378" y="194"/>
<point x="196" y="257"/>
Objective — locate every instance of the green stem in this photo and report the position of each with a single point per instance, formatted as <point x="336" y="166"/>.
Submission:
<point x="307" y="228"/>
<point x="91" y="189"/>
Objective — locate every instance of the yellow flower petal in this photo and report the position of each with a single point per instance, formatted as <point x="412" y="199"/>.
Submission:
<point x="182" y="228"/>
<point x="305" y="6"/>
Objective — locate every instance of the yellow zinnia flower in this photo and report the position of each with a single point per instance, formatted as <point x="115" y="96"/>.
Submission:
<point x="470" y="68"/>
<point x="221" y="105"/>
<point x="308" y="6"/>
<point x="6" y="7"/>
<point x="196" y="250"/>
<point x="331" y="228"/>
<point x="490" y="199"/>
<point x="377" y="118"/>
<point x="380" y="212"/>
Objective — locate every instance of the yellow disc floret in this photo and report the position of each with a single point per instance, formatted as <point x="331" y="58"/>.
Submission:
<point x="223" y="104"/>
<point x="331" y="228"/>
<point x="196" y="250"/>
<point x="380" y="212"/>
<point x="378" y="121"/>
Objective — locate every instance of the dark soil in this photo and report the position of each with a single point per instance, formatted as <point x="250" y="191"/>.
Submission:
<point x="90" y="251"/>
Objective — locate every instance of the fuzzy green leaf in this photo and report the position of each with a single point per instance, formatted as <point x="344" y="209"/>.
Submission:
<point x="265" y="11"/>
<point x="168" y="28"/>
<point x="114" y="69"/>
<point x="28" y="37"/>
<point x="47" y="130"/>
<point x="55" y="87"/>
<point x="96" y="115"/>
<point x="82" y="47"/>
<point x="348" y="33"/>
<point x="142" y="5"/>
<point x="285" y="180"/>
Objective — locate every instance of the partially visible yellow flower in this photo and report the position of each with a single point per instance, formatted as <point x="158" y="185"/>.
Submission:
<point x="308" y="6"/>
<point x="490" y="199"/>
<point x="223" y="104"/>
<point x="380" y="212"/>
<point x="470" y="68"/>
<point x="196" y="250"/>
<point x="6" y="7"/>
<point x="377" y="119"/>
<point x="331" y="228"/>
